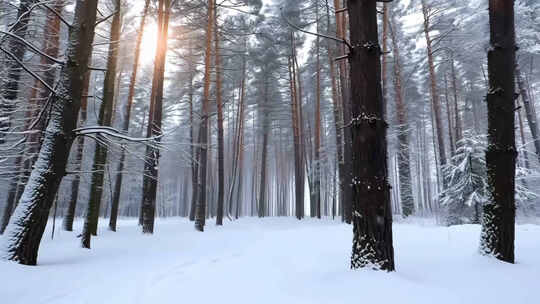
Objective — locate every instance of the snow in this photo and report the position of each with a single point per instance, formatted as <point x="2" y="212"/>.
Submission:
<point x="274" y="260"/>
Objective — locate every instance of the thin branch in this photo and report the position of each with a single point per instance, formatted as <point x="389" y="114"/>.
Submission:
<point x="315" y="34"/>
<point x="34" y="48"/>
<point x="28" y="70"/>
<point x="106" y="18"/>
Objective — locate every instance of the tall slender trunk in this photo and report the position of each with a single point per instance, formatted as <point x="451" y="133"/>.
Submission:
<point x="151" y="166"/>
<point x="337" y="110"/>
<point x="317" y="163"/>
<point x="298" y="164"/>
<point x="79" y="150"/>
<point x="426" y="10"/>
<point x="404" y="165"/>
<point x="201" y="203"/>
<point x="458" y="126"/>
<point x="104" y="119"/>
<point x="498" y="221"/>
<point x="452" y="143"/>
<point x="298" y="179"/>
<point x="125" y="120"/>
<point x="346" y="164"/>
<point x="529" y="110"/>
<point x="30" y="218"/>
<point x="372" y="214"/>
<point x="219" y="103"/>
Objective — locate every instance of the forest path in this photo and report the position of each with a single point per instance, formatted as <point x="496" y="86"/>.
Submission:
<point x="273" y="260"/>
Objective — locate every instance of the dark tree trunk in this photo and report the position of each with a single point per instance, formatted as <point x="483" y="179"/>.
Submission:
<point x="150" y="179"/>
<point x="317" y="163"/>
<point x="104" y="119"/>
<point x="298" y="176"/>
<point x="201" y="203"/>
<point x="372" y="215"/>
<point x="26" y="228"/>
<point x="125" y="121"/>
<point x="219" y="103"/>
<point x="346" y="164"/>
<point x="79" y="150"/>
<point x="498" y="222"/>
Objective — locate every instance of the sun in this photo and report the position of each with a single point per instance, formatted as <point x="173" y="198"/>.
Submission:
<point x="148" y="43"/>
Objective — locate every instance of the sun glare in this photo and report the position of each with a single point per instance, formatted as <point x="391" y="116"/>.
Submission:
<point x="149" y="41"/>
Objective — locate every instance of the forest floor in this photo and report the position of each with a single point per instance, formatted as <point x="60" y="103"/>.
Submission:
<point x="273" y="260"/>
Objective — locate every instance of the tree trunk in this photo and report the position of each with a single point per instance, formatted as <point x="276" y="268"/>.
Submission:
<point x="372" y="215"/>
<point x="298" y="179"/>
<point x="337" y="110"/>
<point x="219" y="103"/>
<point x="433" y="80"/>
<point x="151" y="167"/>
<point x="317" y="162"/>
<point x="104" y="119"/>
<point x="201" y="203"/>
<point x="79" y="150"/>
<point x="498" y="221"/>
<point x="404" y="165"/>
<point x="125" y="120"/>
<point x="30" y="218"/>
<point x="529" y="111"/>
<point x="346" y="164"/>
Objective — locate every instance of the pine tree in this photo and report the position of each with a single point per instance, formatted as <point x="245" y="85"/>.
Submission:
<point x="466" y="178"/>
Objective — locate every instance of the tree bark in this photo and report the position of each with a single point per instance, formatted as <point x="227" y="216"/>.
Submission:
<point x="201" y="204"/>
<point x="433" y="81"/>
<point x="79" y="150"/>
<point x="126" y="119"/>
<point x="30" y="218"/>
<point x="151" y="167"/>
<point x="219" y="103"/>
<point x="498" y="221"/>
<point x="372" y="215"/>
<point x="104" y="119"/>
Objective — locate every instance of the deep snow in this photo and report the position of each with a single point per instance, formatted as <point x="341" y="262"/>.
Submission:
<point x="275" y="260"/>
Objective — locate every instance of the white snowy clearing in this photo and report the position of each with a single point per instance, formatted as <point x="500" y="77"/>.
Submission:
<point x="275" y="260"/>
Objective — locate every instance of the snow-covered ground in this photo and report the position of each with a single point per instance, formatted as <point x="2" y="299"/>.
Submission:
<point x="275" y="260"/>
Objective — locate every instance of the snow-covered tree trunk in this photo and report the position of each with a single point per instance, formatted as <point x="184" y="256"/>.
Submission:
<point x="497" y="238"/>
<point x="372" y="215"/>
<point x="26" y="226"/>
